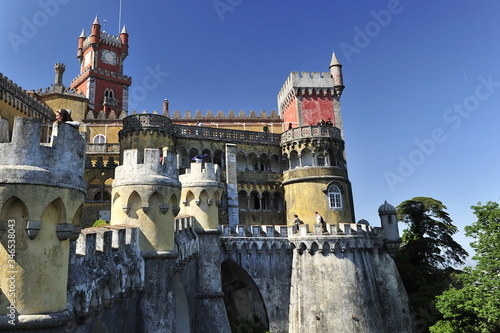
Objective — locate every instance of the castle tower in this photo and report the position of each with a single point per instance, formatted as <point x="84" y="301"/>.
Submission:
<point x="315" y="177"/>
<point x="201" y="197"/>
<point x="101" y="78"/>
<point x="146" y="130"/>
<point x="146" y="193"/>
<point x="308" y="98"/>
<point x="41" y="202"/>
<point x="389" y="222"/>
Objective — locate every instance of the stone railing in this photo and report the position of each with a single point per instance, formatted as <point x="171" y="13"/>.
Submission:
<point x="103" y="148"/>
<point x="306" y="132"/>
<point x="219" y="134"/>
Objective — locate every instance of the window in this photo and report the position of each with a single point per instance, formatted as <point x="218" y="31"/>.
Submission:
<point x="102" y="196"/>
<point x="99" y="138"/>
<point x="321" y="160"/>
<point x="263" y="204"/>
<point x="334" y="197"/>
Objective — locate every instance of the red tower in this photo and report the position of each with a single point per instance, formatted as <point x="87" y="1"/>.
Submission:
<point x="308" y="98"/>
<point x="101" y="78"/>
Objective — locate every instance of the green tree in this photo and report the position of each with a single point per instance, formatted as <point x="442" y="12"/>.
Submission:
<point x="473" y="305"/>
<point x="428" y="240"/>
<point x="427" y="255"/>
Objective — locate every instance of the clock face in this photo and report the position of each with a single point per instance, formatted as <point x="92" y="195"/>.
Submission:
<point x="108" y="57"/>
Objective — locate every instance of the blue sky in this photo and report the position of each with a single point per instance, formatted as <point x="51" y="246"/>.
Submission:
<point x="422" y="97"/>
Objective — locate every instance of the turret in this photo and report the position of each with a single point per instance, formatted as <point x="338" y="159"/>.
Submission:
<point x="79" y="52"/>
<point x="41" y="202"/>
<point x="389" y="221"/>
<point x="336" y="71"/>
<point x="146" y="194"/>
<point x="95" y="36"/>
<point x="201" y="194"/>
<point x="124" y="46"/>
<point x="59" y="68"/>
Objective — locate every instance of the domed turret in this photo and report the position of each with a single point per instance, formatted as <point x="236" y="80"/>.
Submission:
<point x="389" y="221"/>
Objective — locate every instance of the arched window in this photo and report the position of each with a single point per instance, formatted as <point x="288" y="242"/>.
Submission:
<point x="334" y="197"/>
<point x="99" y="138"/>
<point x="102" y="196"/>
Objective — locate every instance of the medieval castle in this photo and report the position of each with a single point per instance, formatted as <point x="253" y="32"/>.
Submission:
<point x="201" y="234"/>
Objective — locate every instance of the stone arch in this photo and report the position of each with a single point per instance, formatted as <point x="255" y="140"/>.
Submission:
<point x="254" y="200"/>
<point x="182" y="158"/>
<point x="15" y="210"/>
<point x="285" y="162"/>
<point x="294" y="159"/>
<point x="219" y="159"/>
<point x="278" y="202"/>
<point x="77" y="217"/>
<point x="189" y="198"/>
<point x="243" y="200"/>
<point x="265" y="201"/>
<point x="314" y="248"/>
<point x="302" y="248"/>
<point x="274" y="163"/>
<point x="134" y="204"/>
<point x="241" y="161"/>
<point x="306" y="157"/>
<point x="203" y="200"/>
<point x="245" y="306"/>
<point x="265" y="162"/>
<point x="209" y="154"/>
<point x="191" y="154"/>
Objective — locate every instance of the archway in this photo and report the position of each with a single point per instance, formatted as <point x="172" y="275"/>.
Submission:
<point x="245" y="307"/>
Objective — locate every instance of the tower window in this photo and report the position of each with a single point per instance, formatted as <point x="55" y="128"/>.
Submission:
<point x="321" y="160"/>
<point x="334" y="197"/>
<point x="99" y="138"/>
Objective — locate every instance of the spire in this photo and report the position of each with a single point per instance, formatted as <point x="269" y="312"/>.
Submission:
<point x="96" y="20"/>
<point x="82" y="35"/>
<point x="335" y="61"/>
<point x="124" y="30"/>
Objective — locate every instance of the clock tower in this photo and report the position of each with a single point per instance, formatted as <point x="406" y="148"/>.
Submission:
<point x="101" y="78"/>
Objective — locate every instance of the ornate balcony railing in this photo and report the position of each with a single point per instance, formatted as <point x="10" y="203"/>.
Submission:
<point x="103" y="148"/>
<point x="220" y="134"/>
<point x="304" y="132"/>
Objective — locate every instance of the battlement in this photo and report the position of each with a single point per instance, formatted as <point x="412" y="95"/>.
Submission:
<point x="19" y="98"/>
<point x="105" y="268"/>
<point x="201" y="173"/>
<point x="27" y="161"/>
<point x="320" y="83"/>
<point x="231" y="116"/>
<point x="103" y="73"/>
<point x="151" y="170"/>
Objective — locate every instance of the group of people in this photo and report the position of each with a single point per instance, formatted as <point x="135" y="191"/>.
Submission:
<point x="319" y="220"/>
<point x="325" y="123"/>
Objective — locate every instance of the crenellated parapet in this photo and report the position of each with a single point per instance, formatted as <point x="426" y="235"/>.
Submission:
<point x="231" y="116"/>
<point x="20" y="99"/>
<point x="27" y="161"/>
<point x="105" y="268"/>
<point x="305" y="83"/>
<point x="201" y="194"/>
<point x="156" y="168"/>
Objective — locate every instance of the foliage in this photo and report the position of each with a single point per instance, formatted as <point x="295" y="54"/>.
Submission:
<point x="426" y="256"/>
<point x="99" y="223"/>
<point x="474" y="305"/>
<point x="428" y="241"/>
